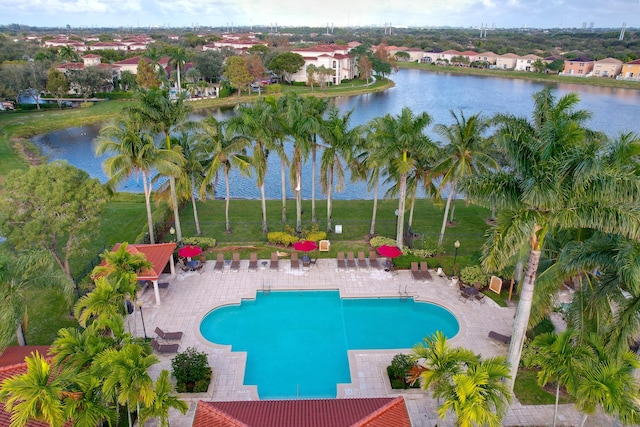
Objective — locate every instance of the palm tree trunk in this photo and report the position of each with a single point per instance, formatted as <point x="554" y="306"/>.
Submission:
<point x="147" y="199"/>
<point x="329" y="197"/>
<point x="400" y="218"/>
<point x="176" y="211"/>
<point x="129" y="415"/>
<point x="179" y="85"/>
<point x="195" y="214"/>
<point x="413" y="203"/>
<point x="446" y="213"/>
<point x="555" y="408"/>
<point x="226" y="201"/>
<point x="521" y="321"/>
<point x="313" y="181"/>
<point x="298" y="197"/>
<point x="265" y="228"/>
<point x="22" y="341"/>
<point x="372" y="230"/>
<point x="452" y="211"/>
<point x="283" y="183"/>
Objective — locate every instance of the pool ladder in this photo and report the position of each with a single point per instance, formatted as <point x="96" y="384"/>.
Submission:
<point x="266" y="287"/>
<point x="403" y="295"/>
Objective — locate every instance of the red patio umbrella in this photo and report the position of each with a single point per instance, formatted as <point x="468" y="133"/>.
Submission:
<point x="304" y="246"/>
<point x="189" y="251"/>
<point x="389" y="251"/>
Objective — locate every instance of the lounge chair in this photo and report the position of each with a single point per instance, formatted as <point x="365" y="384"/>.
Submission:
<point x="415" y="272"/>
<point x="351" y="261"/>
<point x="235" y="264"/>
<point x="219" y="265"/>
<point x="253" y="261"/>
<point x="373" y="260"/>
<point x="340" y="260"/>
<point x="499" y="337"/>
<point x="295" y="264"/>
<point x="164" y="348"/>
<point x="362" y="262"/>
<point x="168" y="335"/>
<point x="274" y="261"/>
<point x="424" y="269"/>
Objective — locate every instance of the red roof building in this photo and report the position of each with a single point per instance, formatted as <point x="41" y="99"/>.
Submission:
<point x="370" y="412"/>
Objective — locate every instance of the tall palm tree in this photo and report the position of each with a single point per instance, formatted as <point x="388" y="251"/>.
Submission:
<point x="122" y="267"/>
<point x="84" y="403"/>
<point x="163" y="115"/>
<point x="278" y="129"/>
<point x="178" y="57"/>
<point x="134" y="151"/>
<point x="339" y="141"/>
<point x="19" y="274"/>
<point x="36" y="394"/>
<point x="315" y="109"/>
<point x="222" y="150"/>
<point x="560" y="359"/>
<point x="162" y="402"/>
<point x="76" y="348"/>
<point x="370" y="163"/>
<point x="464" y="155"/>
<point x="553" y="182"/>
<point x="104" y="302"/>
<point x="404" y="140"/>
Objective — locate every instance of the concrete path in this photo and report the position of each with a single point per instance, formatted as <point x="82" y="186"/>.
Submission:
<point x="192" y="295"/>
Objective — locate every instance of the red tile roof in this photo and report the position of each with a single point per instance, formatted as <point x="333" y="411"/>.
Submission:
<point x="372" y="412"/>
<point x="158" y="255"/>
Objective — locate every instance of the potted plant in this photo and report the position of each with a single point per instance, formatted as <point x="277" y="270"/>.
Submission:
<point x="456" y="271"/>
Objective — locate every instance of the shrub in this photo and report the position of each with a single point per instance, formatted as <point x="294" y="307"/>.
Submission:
<point x="381" y="240"/>
<point x="472" y="274"/>
<point x="191" y="371"/>
<point x="280" y="237"/>
<point x="400" y="366"/>
<point x="204" y="242"/>
<point x="316" y="236"/>
<point x="86" y="105"/>
<point x="273" y="88"/>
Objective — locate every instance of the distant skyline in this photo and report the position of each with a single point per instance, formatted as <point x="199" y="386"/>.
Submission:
<point x="247" y="13"/>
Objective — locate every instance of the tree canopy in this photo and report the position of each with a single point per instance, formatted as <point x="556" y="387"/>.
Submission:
<point x="286" y="64"/>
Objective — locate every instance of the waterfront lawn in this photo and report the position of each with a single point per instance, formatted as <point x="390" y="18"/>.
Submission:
<point x="48" y="312"/>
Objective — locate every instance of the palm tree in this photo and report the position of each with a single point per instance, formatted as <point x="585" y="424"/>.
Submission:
<point x="553" y="181"/>
<point x="464" y="155"/>
<point x="339" y="142"/>
<point x="104" y="302"/>
<point x="370" y="162"/>
<point x="84" y="403"/>
<point x="67" y="54"/>
<point x="221" y="151"/>
<point x="35" y="395"/>
<point x="134" y="151"/>
<point x="18" y="275"/>
<point x="75" y="348"/>
<point x="122" y="267"/>
<point x="162" y="402"/>
<point x="404" y="140"/>
<point x="560" y="359"/>
<point x="164" y="116"/>
<point x="478" y="396"/>
<point x="315" y="109"/>
<point x="254" y="123"/>
<point x="178" y="57"/>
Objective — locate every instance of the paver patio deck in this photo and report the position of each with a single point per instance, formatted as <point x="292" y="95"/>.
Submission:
<point x="192" y="295"/>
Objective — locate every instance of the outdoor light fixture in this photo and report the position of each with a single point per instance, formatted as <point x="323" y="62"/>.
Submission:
<point x="140" y="303"/>
<point x="455" y="256"/>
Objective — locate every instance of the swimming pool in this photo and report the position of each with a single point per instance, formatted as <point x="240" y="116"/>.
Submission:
<point x="297" y="341"/>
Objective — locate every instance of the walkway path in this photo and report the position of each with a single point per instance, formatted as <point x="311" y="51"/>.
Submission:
<point x="190" y="297"/>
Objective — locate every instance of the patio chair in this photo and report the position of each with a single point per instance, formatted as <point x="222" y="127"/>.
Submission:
<point x="235" y="264"/>
<point x="164" y="348"/>
<point x="181" y="266"/>
<point x="351" y="261"/>
<point x="499" y="337"/>
<point x="340" y="261"/>
<point x="295" y="264"/>
<point x="464" y="295"/>
<point x="415" y="272"/>
<point x="373" y="260"/>
<point x="274" y="261"/>
<point x="219" y="265"/>
<point x="424" y="269"/>
<point x="480" y="297"/>
<point x="362" y="262"/>
<point x="253" y="261"/>
<point x="168" y="335"/>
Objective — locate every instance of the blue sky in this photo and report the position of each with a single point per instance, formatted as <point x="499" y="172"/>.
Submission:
<point x="457" y="13"/>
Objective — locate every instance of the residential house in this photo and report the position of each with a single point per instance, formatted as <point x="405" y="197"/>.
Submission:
<point x="525" y="63"/>
<point x="330" y="56"/>
<point x="237" y="45"/>
<point x="352" y="412"/>
<point x="415" y="54"/>
<point x="631" y="70"/>
<point x="488" y="57"/>
<point x="108" y="46"/>
<point x="431" y="56"/>
<point x="469" y="56"/>
<point x="608" y="67"/>
<point x="448" y="55"/>
<point x="90" y="60"/>
<point x="507" y="61"/>
<point x="578" y="67"/>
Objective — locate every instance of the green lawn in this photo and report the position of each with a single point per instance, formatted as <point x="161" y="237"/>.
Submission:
<point x="529" y="392"/>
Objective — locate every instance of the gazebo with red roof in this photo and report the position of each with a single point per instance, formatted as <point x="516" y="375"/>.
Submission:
<point x="158" y="255"/>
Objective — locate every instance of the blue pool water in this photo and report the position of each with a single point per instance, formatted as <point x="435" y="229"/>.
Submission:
<point x="297" y="341"/>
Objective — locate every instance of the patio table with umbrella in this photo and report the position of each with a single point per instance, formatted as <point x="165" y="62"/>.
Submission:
<point x="305" y="246"/>
<point x="389" y="252"/>
<point x="189" y="251"/>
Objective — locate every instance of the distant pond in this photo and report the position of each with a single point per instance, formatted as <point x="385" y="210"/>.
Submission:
<point x="614" y="111"/>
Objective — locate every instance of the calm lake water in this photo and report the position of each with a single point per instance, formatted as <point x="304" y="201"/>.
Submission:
<point x="614" y="111"/>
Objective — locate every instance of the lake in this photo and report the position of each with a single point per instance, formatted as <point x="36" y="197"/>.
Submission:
<point x="614" y="111"/>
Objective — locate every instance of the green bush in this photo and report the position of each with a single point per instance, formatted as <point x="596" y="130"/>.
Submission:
<point x="378" y="241"/>
<point x="316" y="236"/>
<point x="473" y="274"/>
<point x="282" y="238"/>
<point x="114" y="95"/>
<point x="86" y="105"/>
<point x="191" y="371"/>
<point x="273" y="88"/>
<point x="399" y="369"/>
<point x="204" y="242"/>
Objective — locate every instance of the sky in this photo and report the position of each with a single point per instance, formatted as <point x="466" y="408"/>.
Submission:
<point x="319" y="13"/>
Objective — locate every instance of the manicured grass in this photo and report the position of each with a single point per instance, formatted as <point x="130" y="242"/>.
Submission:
<point x="528" y="391"/>
<point x="48" y="312"/>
